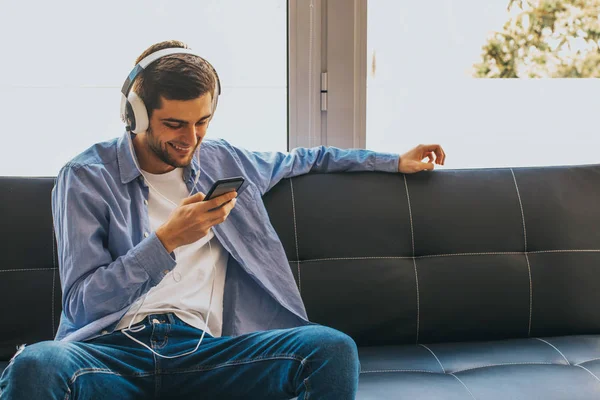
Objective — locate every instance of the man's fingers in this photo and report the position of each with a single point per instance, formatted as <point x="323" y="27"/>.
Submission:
<point x="193" y="199"/>
<point x="427" y="166"/>
<point x="429" y="147"/>
<point x="442" y="156"/>
<point x="430" y="156"/>
<point x="438" y="150"/>
<point x="220" y="214"/>
<point x="219" y="201"/>
<point x="418" y="166"/>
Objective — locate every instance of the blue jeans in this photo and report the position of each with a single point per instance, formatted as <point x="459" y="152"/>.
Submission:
<point x="309" y="362"/>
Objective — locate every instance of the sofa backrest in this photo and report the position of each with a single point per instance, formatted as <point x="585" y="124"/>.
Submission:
<point x="30" y="295"/>
<point x="452" y="255"/>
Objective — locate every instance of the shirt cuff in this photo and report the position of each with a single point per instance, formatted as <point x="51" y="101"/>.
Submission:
<point x="387" y="162"/>
<point x="152" y="256"/>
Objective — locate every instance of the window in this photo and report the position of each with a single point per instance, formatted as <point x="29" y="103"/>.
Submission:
<point x="421" y="86"/>
<point x="63" y="66"/>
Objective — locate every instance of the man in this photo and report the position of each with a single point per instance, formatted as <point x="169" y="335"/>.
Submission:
<point x="166" y="295"/>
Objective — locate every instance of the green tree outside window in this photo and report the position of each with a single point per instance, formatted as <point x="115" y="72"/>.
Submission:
<point x="545" y="39"/>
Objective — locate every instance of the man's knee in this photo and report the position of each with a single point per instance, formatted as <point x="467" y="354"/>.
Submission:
<point x="41" y="360"/>
<point x="41" y="370"/>
<point x="333" y="342"/>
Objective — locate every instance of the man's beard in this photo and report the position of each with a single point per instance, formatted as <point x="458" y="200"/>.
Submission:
<point x="163" y="153"/>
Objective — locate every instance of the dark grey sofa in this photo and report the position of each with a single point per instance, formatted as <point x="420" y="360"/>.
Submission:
<point x="466" y="284"/>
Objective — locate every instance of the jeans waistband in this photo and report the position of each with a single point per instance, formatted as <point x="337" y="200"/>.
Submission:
<point x="166" y="318"/>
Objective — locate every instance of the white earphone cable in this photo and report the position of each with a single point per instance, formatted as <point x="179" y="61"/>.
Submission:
<point x="129" y="328"/>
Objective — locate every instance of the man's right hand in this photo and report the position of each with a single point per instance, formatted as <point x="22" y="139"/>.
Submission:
<point x="193" y="218"/>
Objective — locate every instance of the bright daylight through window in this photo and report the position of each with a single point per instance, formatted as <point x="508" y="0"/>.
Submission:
<point x="430" y="69"/>
<point x="64" y="64"/>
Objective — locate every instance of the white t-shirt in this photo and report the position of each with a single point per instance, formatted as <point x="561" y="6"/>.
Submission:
<point x="185" y="290"/>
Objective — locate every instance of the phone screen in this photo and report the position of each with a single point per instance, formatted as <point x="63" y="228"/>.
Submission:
<point x="224" y="186"/>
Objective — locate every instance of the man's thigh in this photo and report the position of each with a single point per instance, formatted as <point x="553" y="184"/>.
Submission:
<point x="108" y="367"/>
<point x="267" y="364"/>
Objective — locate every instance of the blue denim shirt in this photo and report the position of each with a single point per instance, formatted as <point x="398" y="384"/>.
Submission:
<point x="109" y="257"/>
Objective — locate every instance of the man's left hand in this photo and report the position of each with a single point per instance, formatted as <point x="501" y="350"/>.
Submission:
<point x="413" y="160"/>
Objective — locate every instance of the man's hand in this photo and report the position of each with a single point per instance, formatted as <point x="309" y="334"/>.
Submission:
<point x="193" y="219"/>
<point x="412" y="161"/>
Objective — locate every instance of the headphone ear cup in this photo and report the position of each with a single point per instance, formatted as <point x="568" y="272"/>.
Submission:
<point x="217" y="91"/>
<point x="138" y="113"/>
<point x="215" y="101"/>
<point x="129" y="118"/>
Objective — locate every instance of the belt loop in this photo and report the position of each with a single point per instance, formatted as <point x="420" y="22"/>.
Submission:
<point x="165" y="318"/>
<point x="154" y="319"/>
<point x="170" y="318"/>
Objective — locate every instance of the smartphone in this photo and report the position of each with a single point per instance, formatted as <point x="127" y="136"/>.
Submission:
<point x="223" y="186"/>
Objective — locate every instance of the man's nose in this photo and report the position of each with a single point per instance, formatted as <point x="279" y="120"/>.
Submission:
<point x="192" y="132"/>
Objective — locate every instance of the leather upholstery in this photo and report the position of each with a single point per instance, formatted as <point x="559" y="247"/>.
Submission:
<point x="552" y="368"/>
<point x="446" y="256"/>
<point x="30" y="292"/>
<point x="455" y="284"/>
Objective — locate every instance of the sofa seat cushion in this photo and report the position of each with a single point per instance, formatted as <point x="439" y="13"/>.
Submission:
<point x="565" y="367"/>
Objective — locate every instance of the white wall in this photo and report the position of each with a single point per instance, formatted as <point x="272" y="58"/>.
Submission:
<point x="64" y="62"/>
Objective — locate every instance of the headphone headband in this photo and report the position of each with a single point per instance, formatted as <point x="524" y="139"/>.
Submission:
<point x="143" y="64"/>
<point x="133" y="110"/>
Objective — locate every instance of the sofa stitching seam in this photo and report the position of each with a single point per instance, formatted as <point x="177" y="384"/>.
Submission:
<point x="397" y="370"/>
<point x="28" y="269"/>
<point x="442" y="255"/>
<point x="590" y="372"/>
<point x="526" y="254"/>
<point x="465" y="386"/>
<point x="555" y="348"/>
<point x="436" y="357"/>
<point x="412" y="234"/>
<point x="506" y="364"/>
<point x="587" y="361"/>
<point x="296" y="236"/>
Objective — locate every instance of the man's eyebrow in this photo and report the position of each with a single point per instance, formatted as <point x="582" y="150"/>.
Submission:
<point x="180" y="121"/>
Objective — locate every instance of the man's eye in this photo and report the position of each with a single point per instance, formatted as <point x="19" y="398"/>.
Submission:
<point x="173" y="126"/>
<point x="203" y="122"/>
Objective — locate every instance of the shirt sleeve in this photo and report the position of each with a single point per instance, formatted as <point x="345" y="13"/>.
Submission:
<point x="94" y="284"/>
<point x="266" y="169"/>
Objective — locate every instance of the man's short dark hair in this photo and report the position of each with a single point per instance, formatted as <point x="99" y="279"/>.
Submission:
<point x="174" y="77"/>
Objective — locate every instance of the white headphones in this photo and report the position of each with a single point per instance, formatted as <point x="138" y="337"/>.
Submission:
<point x="133" y="110"/>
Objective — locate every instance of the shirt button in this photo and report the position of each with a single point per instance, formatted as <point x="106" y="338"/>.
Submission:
<point x="146" y="234"/>
<point x="145" y="202"/>
<point x="105" y="332"/>
<point x="166" y="271"/>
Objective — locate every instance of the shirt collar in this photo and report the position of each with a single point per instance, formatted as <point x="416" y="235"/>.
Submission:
<point x="128" y="169"/>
